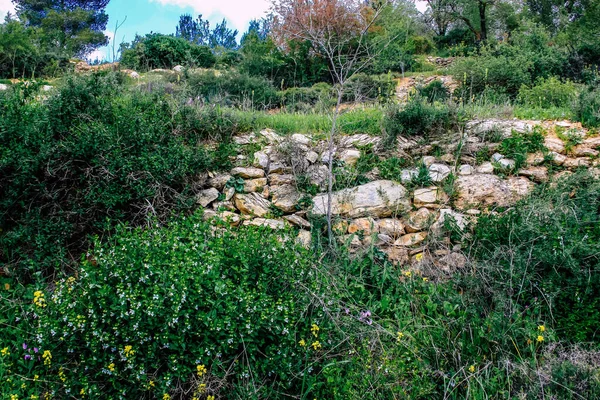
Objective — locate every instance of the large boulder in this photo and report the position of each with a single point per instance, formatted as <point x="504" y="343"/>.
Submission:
<point x="248" y="173"/>
<point x="205" y="197"/>
<point x="490" y="190"/>
<point x="376" y="199"/>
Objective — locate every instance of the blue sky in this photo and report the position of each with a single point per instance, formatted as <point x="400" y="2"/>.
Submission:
<point x="145" y="16"/>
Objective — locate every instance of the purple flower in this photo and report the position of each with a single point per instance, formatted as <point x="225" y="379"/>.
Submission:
<point x="35" y="349"/>
<point x="27" y="357"/>
<point x="24" y="346"/>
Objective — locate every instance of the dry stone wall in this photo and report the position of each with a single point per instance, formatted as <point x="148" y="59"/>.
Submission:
<point x="402" y="219"/>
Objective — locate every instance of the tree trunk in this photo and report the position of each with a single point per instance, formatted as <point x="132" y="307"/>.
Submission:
<point x="336" y="113"/>
<point x="483" y="20"/>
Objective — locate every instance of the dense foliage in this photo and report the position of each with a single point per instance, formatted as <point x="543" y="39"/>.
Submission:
<point x="86" y="157"/>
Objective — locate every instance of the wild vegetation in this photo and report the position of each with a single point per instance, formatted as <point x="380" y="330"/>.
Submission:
<point x="116" y="283"/>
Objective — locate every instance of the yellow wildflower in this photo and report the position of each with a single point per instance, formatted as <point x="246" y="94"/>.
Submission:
<point x="210" y="398"/>
<point x="472" y="369"/>
<point x="38" y="298"/>
<point x="111" y="367"/>
<point x="82" y="392"/>
<point x="315" y="329"/>
<point x="36" y="377"/>
<point x="419" y="257"/>
<point x="316" y="345"/>
<point x="14" y="397"/>
<point x="33" y="397"/>
<point x="540" y="339"/>
<point x="151" y="383"/>
<point x="302" y="343"/>
<point x="5" y="352"/>
<point x="128" y="350"/>
<point x="47" y="356"/>
<point x="408" y="274"/>
<point x="6" y="286"/>
<point x="61" y="375"/>
<point x="202" y="387"/>
<point x="399" y="336"/>
<point x="166" y="396"/>
<point x="201" y="369"/>
<point x="541" y="328"/>
<point x="425" y="279"/>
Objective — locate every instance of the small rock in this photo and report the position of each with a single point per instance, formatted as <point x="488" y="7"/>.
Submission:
<point x="229" y="193"/>
<point x="47" y="88"/>
<point x="3" y="86"/>
<point x="485" y="168"/>
<point x="352" y="240"/>
<point x="301" y="139"/>
<point x="418" y="220"/>
<point x="557" y="159"/>
<point x="252" y="204"/>
<point x="428" y="161"/>
<point x="397" y="255"/>
<point x="271" y="136"/>
<point x="535" y="158"/>
<point x="230" y="217"/>
<point x="537" y="174"/>
<point x="584" y="151"/>
<point x="304" y="239"/>
<point x="245" y="139"/>
<point x="219" y="181"/>
<point x="439" y="172"/>
<point x="507" y="163"/>
<point x="278" y="180"/>
<point x="178" y="68"/>
<point x="326" y="156"/>
<point x="459" y="220"/>
<point x="296" y="220"/>
<point x="391" y="227"/>
<point x="267" y="223"/>
<point x="255" y="185"/>
<point x="554" y="144"/>
<point x="412" y="239"/>
<point x="278" y="168"/>
<point x="577" y="162"/>
<point x="360" y="140"/>
<point x="340" y="227"/>
<point x="466" y="169"/>
<point x="350" y="157"/>
<point x="205" y="197"/>
<point x="366" y="225"/>
<point x="312" y="157"/>
<point x="447" y="158"/>
<point x="497" y="157"/>
<point x="261" y="160"/>
<point x="407" y="175"/>
<point x="248" y="173"/>
<point x="223" y="206"/>
<point x="426" y="197"/>
<point x="285" y="197"/>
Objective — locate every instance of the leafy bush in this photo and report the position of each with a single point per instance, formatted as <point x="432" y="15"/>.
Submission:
<point x="87" y="156"/>
<point x="162" y="51"/>
<point x="418" y="118"/>
<point x="318" y="96"/>
<point x="232" y="89"/>
<point x="547" y="93"/>
<point x="525" y="253"/>
<point x="588" y="107"/>
<point x="362" y="87"/>
<point x="519" y="144"/>
<point x="434" y="91"/>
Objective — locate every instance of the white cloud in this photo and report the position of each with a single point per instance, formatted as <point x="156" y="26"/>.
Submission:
<point x="6" y="6"/>
<point x="237" y="12"/>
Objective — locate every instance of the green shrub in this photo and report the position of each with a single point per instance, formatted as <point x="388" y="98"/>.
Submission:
<point x="434" y="91"/>
<point x="233" y="89"/>
<point x="90" y="155"/>
<point x="362" y="87"/>
<point x="163" y="51"/>
<point x="391" y="168"/>
<point x="588" y="107"/>
<point x="544" y="254"/>
<point x="319" y="95"/>
<point x="519" y="144"/>
<point x="418" y="118"/>
<point x="549" y="93"/>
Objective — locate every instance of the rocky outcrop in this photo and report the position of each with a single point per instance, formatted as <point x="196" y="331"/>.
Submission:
<point x="490" y="190"/>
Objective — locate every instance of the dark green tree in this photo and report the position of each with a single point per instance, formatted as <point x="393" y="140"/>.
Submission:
<point x="72" y="27"/>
